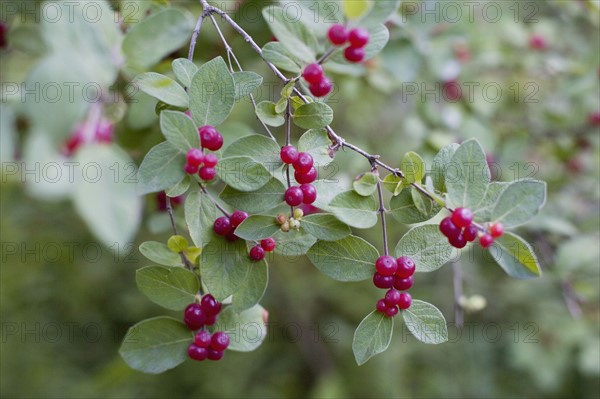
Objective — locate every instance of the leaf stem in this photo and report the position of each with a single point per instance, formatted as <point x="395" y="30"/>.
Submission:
<point x="382" y="214"/>
<point x="184" y="258"/>
<point x="288" y="135"/>
<point x="219" y="207"/>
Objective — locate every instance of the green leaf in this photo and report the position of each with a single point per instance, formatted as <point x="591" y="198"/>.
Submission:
<point x="439" y="165"/>
<point x="276" y="54"/>
<point x="365" y="184"/>
<point x="177" y="243"/>
<point x="393" y="184"/>
<point x="200" y="214"/>
<point x="519" y="202"/>
<point x="413" y="167"/>
<point x="179" y="130"/>
<point x="404" y="209"/>
<point x="355" y="210"/>
<point x="158" y="252"/>
<point x="425" y="322"/>
<point x="163" y="88"/>
<point x="265" y="198"/>
<point x="281" y="105"/>
<point x="261" y="149"/>
<point x="246" y="330"/>
<point x="467" y="176"/>
<point x="156" y="345"/>
<point x="515" y="256"/>
<point x="184" y="70"/>
<point x="379" y="13"/>
<point x="253" y="288"/>
<point x="313" y="115"/>
<point x="316" y="142"/>
<point x="372" y="336"/>
<point x="487" y="204"/>
<point x="348" y="259"/>
<point x="354" y="9"/>
<point x="180" y="188"/>
<point x="257" y="227"/>
<point x="426" y="246"/>
<point x="294" y="243"/>
<point x="325" y="227"/>
<point x="242" y="173"/>
<point x="161" y="169"/>
<point x="155" y="37"/>
<point x="212" y="93"/>
<point x="422" y="203"/>
<point x="265" y="111"/>
<point x="170" y="287"/>
<point x="245" y="83"/>
<point x="224" y="266"/>
<point x="293" y="35"/>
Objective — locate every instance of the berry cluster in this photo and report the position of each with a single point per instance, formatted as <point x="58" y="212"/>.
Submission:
<point x="395" y="275"/>
<point x="304" y="173"/>
<point x="318" y="84"/>
<point x="358" y="38"/>
<point x="459" y="229"/>
<point x="225" y="226"/>
<point x="204" y="164"/>
<point x="103" y="133"/>
<point x="257" y="252"/>
<point x="205" y="345"/>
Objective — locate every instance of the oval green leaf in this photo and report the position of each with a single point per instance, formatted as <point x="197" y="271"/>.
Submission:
<point x="348" y="259"/>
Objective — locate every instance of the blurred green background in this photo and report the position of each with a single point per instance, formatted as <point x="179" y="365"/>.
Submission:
<point x="67" y="300"/>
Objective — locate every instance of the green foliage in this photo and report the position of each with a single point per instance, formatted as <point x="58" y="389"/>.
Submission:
<point x="161" y="169"/>
<point x="184" y="70"/>
<point x="170" y="287"/>
<point x="200" y="214"/>
<point x="348" y="259"/>
<point x="355" y="210"/>
<point x="316" y="143"/>
<point x="257" y="227"/>
<point x="212" y="93"/>
<point x="313" y="116"/>
<point x="179" y="130"/>
<point x="372" y="336"/>
<point x="467" y="175"/>
<point x="163" y="88"/>
<point x="247" y="329"/>
<point x="425" y="322"/>
<point x="426" y="246"/>
<point x="159" y="253"/>
<point x="366" y="184"/>
<point x="294" y="36"/>
<point x="326" y="227"/>
<point x="516" y="257"/>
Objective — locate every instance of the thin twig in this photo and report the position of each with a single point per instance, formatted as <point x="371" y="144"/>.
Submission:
<point x="382" y="214"/>
<point x="219" y="207"/>
<point x="288" y="135"/>
<point x="195" y="36"/>
<point x="458" y="293"/>
<point x="184" y="258"/>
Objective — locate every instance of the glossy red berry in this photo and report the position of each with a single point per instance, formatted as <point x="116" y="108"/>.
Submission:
<point x="231" y="236"/>
<point x="210" y="160"/>
<point x="210" y="138"/>
<point x="190" y="169"/>
<point x="470" y="233"/>
<point x="310" y="194"/>
<point x="193" y="316"/>
<point x="391" y="311"/>
<point x="288" y="154"/>
<point x="337" y="34"/>
<point x="392" y="297"/>
<point x="219" y="341"/>
<point x="322" y="88"/>
<point x="222" y="226"/>
<point x="448" y="228"/>
<point x="194" y="157"/>
<point x="462" y="217"/>
<point x="268" y="244"/>
<point x="354" y="54"/>
<point x="210" y="305"/>
<point x="305" y="178"/>
<point x="196" y="352"/>
<point x="215" y="354"/>
<point x="496" y="230"/>
<point x="303" y="163"/>
<point x="406" y="267"/>
<point x="486" y="240"/>
<point x="257" y="253"/>
<point x="386" y="265"/>
<point x="313" y="73"/>
<point x="458" y="242"/>
<point x="294" y="196"/>
<point x="202" y="339"/>
<point x="207" y="173"/>
<point x="358" y="37"/>
<point x="403" y="284"/>
<point x="210" y="320"/>
<point x="405" y="301"/>
<point x="381" y="306"/>
<point x="237" y="218"/>
<point x="381" y="281"/>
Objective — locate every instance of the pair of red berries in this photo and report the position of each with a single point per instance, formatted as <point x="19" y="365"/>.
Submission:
<point x="225" y="225"/>
<point x="395" y="275"/>
<point x="204" y="164"/>
<point x="459" y="229"/>
<point x="198" y="315"/>
<point x="358" y="38"/>
<point x="161" y="200"/>
<point x="304" y="173"/>
<point x="257" y="252"/>
<point x="319" y="85"/>
<point x="208" y="346"/>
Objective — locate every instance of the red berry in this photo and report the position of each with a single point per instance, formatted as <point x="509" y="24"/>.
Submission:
<point x="210" y="305"/>
<point x="381" y="281"/>
<point x="594" y="119"/>
<point x="268" y="244"/>
<point x="310" y="194"/>
<point x="190" y="169"/>
<point x="462" y="217"/>
<point x="194" y="316"/>
<point x="386" y="265"/>
<point x="303" y="163"/>
<point x="215" y="354"/>
<point x="195" y="157"/>
<point x="222" y="226"/>
<point x="288" y="154"/>
<point x="210" y="138"/>
<point x="392" y="297"/>
<point x="381" y="306"/>
<point x="219" y="341"/>
<point x="210" y="160"/>
<point x="403" y="284"/>
<point x="486" y="240"/>
<point x="458" y="242"/>
<point x="322" y="88"/>
<point x="358" y="37"/>
<point x="391" y="311"/>
<point x="257" y="253"/>
<point x="207" y="173"/>
<point x="231" y="236"/>
<point x="313" y="73"/>
<point x="294" y="196"/>
<point x="337" y="34"/>
<point x="354" y="54"/>
<point x="406" y="267"/>
<point x="405" y="300"/>
<point x="305" y="178"/>
<point x="237" y="218"/>
<point x="448" y="228"/>
<point x="202" y="339"/>
<point x="197" y="353"/>
<point x="470" y="233"/>
<point x="452" y="90"/>
<point x="496" y="230"/>
<point x="210" y="320"/>
<point x="538" y="42"/>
